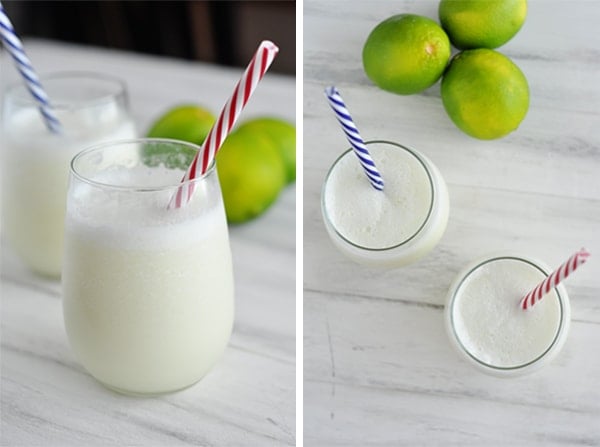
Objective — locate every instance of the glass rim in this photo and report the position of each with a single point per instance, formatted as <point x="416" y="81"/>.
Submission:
<point x="165" y="187"/>
<point x="417" y="231"/>
<point x="14" y="89"/>
<point x="559" y="330"/>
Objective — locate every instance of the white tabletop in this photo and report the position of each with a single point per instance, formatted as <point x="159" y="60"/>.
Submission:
<point x="249" y="397"/>
<point x="378" y="366"/>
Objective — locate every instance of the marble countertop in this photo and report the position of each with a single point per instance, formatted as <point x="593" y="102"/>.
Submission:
<point x="378" y="367"/>
<point x="248" y="399"/>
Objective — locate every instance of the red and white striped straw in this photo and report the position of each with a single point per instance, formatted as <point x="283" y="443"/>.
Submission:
<point x="255" y="71"/>
<point x="554" y="279"/>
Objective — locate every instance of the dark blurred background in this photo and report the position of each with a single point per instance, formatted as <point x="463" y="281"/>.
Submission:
<point x="222" y="32"/>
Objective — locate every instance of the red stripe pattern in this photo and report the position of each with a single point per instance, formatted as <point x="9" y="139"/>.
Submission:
<point x="554" y="279"/>
<point x="232" y="109"/>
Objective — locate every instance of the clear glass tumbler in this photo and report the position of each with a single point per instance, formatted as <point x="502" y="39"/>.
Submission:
<point x="487" y="326"/>
<point x="35" y="162"/>
<point x="389" y="228"/>
<point x="147" y="291"/>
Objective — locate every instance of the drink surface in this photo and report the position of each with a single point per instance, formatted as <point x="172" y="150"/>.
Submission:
<point x="489" y="323"/>
<point x="35" y="172"/>
<point x="378" y="219"/>
<point x="148" y="292"/>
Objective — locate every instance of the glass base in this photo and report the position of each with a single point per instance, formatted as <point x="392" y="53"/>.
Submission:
<point x="52" y="276"/>
<point x="148" y="394"/>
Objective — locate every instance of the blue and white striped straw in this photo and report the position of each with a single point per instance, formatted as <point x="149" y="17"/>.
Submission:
<point x="13" y="45"/>
<point x="360" y="149"/>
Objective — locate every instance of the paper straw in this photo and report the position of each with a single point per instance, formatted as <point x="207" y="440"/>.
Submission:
<point x="554" y="279"/>
<point x="13" y="45"/>
<point x="231" y="111"/>
<point x="360" y="149"/>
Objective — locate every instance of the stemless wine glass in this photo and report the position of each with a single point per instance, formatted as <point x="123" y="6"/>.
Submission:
<point x="147" y="291"/>
<point x="91" y="108"/>
<point x="388" y="228"/>
<point x="490" y="330"/>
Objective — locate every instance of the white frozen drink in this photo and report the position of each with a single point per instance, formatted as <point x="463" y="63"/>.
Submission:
<point x="392" y="227"/>
<point x="35" y="162"/>
<point x="489" y="328"/>
<point x="148" y="291"/>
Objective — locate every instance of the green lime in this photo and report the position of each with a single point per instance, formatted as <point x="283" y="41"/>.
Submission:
<point x="481" y="23"/>
<point x="167" y="154"/>
<point x="485" y="94"/>
<point x="282" y="134"/>
<point x="251" y="173"/>
<point x="186" y="122"/>
<point x="406" y="54"/>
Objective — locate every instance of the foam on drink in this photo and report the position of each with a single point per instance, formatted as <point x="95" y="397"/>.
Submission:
<point x="393" y="227"/>
<point x="488" y="323"/>
<point x="378" y="219"/>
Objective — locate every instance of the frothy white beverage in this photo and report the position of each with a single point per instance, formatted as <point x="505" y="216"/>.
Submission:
<point x="35" y="173"/>
<point x="490" y="326"/>
<point x="148" y="292"/>
<point x="390" y="227"/>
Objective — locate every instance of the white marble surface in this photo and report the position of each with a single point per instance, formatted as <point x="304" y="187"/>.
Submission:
<point x="248" y="399"/>
<point x="378" y="367"/>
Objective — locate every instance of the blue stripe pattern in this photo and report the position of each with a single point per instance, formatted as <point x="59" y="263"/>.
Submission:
<point x="13" y="45"/>
<point x="360" y="149"/>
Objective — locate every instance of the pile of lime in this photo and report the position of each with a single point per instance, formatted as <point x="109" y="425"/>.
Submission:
<point x="484" y="93"/>
<point x="256" y="161"/>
